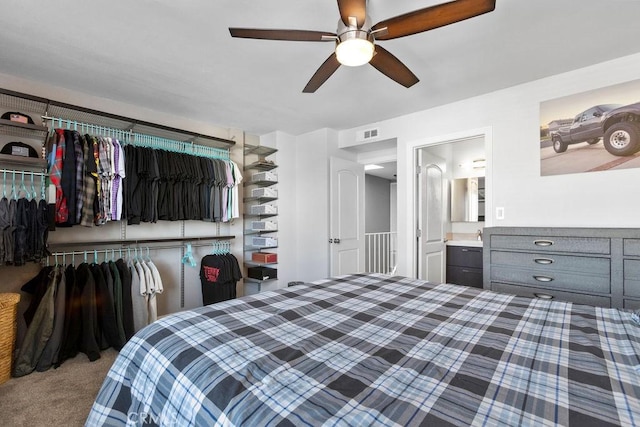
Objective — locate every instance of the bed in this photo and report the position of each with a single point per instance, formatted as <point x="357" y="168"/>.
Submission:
<point x="371" y="349"/>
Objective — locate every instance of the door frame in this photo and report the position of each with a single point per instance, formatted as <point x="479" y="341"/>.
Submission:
<point x="407" y="174"/>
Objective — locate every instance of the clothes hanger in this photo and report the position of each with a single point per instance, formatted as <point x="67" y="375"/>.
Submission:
<point x="13" y="186"/>
<point x="34" y="194"/>
<point x="188" y="257"/>
<point x="23" y="188"/>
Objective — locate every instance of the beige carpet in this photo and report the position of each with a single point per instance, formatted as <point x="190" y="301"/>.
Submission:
<point x="57" y="397"/>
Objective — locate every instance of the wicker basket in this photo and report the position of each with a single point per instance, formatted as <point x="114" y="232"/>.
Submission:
<point x="8" y="314"/>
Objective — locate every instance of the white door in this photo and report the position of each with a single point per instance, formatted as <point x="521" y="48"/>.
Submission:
<point x="430" y="227"/>
<point x="346" y="223"/>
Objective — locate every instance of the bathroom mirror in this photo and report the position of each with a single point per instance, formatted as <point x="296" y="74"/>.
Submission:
<point x="467" y="199"/>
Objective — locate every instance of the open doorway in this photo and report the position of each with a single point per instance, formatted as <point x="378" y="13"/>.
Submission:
<point x="449" y="199"/>
<point x="381" y="217"/>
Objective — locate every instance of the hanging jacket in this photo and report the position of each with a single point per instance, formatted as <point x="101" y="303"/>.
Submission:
<point x="42" y="231"/>
<point x="38" y="332"/>
<point x="20" y="232"/>
<point x="90" y="334"/>
<point x="115" y="285"/>
<point x="37" y="287"/>
<point x="127" y="304"/>
<point x="106" y="310"/>
<point x="52" y="349"/>
<point x="72" y="318"/>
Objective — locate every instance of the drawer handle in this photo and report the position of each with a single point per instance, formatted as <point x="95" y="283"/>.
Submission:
<point x="470" y="250"/>
<point x="542" y="242"/>
<point x="543" y="296"/>
<point x="543" y="278"/>
<point x="544" y="261"/>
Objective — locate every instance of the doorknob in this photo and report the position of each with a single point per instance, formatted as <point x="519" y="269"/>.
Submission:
<point x="330" y="240"/>
<point x="336" y="240"/>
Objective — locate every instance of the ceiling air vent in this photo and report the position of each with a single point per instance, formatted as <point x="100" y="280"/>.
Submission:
<point x="368" y="134"/>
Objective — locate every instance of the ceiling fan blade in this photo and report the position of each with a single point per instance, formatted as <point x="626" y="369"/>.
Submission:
<point x="391" y="67"/>
<point x="324" y="72"/>
<point x="355" y="8"/>
<point x="432" y="17"/>
<point x="291" y="35"/>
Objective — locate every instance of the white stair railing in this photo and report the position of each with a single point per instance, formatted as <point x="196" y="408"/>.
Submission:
<point x="380" y="252"/>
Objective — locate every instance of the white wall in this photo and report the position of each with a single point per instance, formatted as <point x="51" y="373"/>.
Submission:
<point x="303" y="202"/>
<point x="377" y="201"/>
<point x="510" y="120"/>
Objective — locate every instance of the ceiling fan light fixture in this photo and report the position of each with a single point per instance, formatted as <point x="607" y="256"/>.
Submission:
<point x="355" y="48"/>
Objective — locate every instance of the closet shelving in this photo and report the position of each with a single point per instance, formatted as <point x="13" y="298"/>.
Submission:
<point x="49" y="114"/>
<point x="38" y="107"/>
<point x="260" y="234"/>
<point x="22" y="130"/>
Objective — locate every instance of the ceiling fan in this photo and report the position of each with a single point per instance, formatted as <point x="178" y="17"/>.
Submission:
<point x="355" y="37"/>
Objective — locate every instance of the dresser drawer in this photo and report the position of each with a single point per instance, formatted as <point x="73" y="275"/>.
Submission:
<point x="545" y="263"/>
<point x="632" y="278"/>
<point x="464" y="276"/>
<point x="586" y="245"/>
<point x="464" y="256"/>
<point x="632" y="304"/>
<point x="631" y="247"/>
<point x="552" y="279"/>
<point x="531" y="292"/>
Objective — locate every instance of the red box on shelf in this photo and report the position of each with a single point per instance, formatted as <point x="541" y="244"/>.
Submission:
<point x="264" y="257"/>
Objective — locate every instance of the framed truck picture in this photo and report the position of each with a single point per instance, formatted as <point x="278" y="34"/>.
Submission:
<point x="592" y="131"/>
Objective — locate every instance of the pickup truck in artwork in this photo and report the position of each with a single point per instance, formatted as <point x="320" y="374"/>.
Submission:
<point x="617" y="125"/>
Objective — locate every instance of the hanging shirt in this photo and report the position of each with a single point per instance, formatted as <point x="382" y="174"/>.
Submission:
<point x="138" y="298"/>
<point x="143" y="290"/>
<point x="68" y="179"/>
<point x="157" y="280"/>
<point x="79" y="183"/>
<point x="116" y="186"/>
<point x="237" y="179"/>
<point x="62" y="213"/>
<point x="89" y="183"/>
<point x="105" y="171"/>
<point x="151" y="292"/>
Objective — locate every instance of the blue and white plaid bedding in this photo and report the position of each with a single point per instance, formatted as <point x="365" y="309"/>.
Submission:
<point x="382" y="351"/>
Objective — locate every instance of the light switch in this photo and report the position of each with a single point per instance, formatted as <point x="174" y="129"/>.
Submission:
<point x="500" y="213"/>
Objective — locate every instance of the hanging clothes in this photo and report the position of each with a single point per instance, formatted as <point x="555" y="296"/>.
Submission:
<point x="86" y="309"/>
<point x="50" y="354"/>
<point x="139" y="298"/>
<point x="101" y="179"/>
<point x="38" y="332"/>
<point x="90" y="182"/>
<point x="219" y="275"/>
<point x="24" y="228"/>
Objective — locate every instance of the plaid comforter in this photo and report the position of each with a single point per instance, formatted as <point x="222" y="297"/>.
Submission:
<point x="382" y="351"/>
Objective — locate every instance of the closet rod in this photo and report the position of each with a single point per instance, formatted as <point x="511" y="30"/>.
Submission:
<point x="119" y="250"/>
<point x="50" y="102"/>
<point x="125" y="243"/>
<point x="144" y="140"/>
<point x="22" y="172"/>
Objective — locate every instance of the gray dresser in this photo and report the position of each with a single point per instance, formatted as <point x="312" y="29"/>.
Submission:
<point x="595" y="266"/>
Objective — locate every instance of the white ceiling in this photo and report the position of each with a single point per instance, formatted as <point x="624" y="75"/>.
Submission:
<point x="178" y="57"/>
